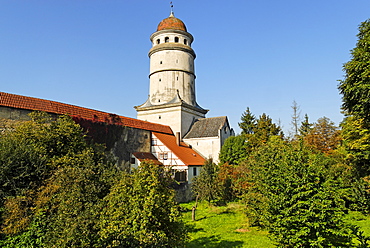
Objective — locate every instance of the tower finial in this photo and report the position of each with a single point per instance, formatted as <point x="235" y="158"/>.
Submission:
<point x="172" y="14"/>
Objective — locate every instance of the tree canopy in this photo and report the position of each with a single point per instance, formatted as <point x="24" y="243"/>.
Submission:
<point x="355" y="87"/>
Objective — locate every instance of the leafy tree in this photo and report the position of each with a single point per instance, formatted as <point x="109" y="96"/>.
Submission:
<point x="72" y="194"/>
<point x="140" y="211"/>
<point x="265" y="128"/>
<point x="206" y="185"/>
<point x="355" y="88"/>
<point x="233" y="150"/>
<point x="50" y="197"/>
<point x="356" y="141"/>
<point x="248" y="122"/>
<point x="324" y="135"/>
<point x="293" y="194"/>
<point x="27" y="152"/>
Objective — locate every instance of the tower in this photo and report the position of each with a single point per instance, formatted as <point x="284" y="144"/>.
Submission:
<point x="171" y="98"/>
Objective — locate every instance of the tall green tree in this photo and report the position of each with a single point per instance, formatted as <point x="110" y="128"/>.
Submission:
<point x="305" y="126"/>
<point x="295" y="196"/>
<point x="355" y="88"/>
<point x="50" y="190"/>
<point x="206" y="185"/>
<point x="248" y="122"/>
<point x="234" y="150"/>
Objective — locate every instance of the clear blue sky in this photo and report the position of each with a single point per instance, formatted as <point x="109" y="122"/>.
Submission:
<point x="260" y="54"/>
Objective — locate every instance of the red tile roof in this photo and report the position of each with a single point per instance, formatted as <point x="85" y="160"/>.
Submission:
<point x="187" y="155"/>
<point x="141" y="156"/>
<point x="31" y="103"/>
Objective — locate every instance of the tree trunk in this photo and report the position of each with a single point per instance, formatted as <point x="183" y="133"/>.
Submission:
<point x="194" y="208"/>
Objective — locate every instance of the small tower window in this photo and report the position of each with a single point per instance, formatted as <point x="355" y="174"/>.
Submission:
<point x="177" y="61"/>
<point x="185" y="41"/>
<point x="160" y="117"/>
<point x="176" y="39"/>
<point x="166" y="39"/>
<point x="160" y="80"/>
<point x="158" y="41"/>
<point x="160" y="62"/>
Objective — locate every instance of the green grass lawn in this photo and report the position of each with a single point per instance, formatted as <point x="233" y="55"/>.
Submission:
<point x="222" y="227"/>
<point x="227" y="226"/>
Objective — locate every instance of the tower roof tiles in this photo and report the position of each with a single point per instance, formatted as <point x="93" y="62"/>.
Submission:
<point x="171" y="22"/>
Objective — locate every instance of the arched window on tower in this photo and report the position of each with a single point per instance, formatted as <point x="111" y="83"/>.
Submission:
<point x="185" y="41"/>
<point x="176" y="39"/>
<point x="166" y="39"/>
<point x="158" y="41"/>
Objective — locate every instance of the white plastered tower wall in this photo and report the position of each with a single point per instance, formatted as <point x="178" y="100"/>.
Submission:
<point x="172" y="99"/>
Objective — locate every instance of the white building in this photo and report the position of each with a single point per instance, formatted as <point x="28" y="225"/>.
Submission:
<point x="172" y="99"/>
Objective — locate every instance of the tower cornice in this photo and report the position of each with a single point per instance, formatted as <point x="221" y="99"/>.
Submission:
<point x="171" y="105"/>
<point x="189" y="72"/>
<point x="172" y="46"/>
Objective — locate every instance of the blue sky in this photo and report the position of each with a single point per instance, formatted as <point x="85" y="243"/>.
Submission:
<point x="261" y="54"/>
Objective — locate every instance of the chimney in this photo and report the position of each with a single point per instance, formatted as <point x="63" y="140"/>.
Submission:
<point x="178" y="139"/>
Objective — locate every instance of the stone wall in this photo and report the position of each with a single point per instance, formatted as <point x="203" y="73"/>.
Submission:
<point x="120" y="140"/>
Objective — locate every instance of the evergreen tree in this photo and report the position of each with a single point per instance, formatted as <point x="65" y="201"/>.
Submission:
<point x="305" y="127"/>
<point x="248" y="122"/>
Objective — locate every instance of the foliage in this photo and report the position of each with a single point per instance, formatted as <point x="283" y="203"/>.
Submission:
<point x="254" y="133"/>
<point x="233" y="150"/>
<point x="305" y="127"/>
<point x="140" y="211"/>
<point x="27" y="152"/>
<point x="294" y="195"/>
<point x="56" y="188"/>
<point x="355" y="88"/>
<point x="206" y="185"/>
<point x="356" y="142"/>
<point x="248" y="122"/>
<point x="324" y="136"/>
<point x="264" y="129"/>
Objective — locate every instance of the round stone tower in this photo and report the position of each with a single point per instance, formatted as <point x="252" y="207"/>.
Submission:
<point x="172" y="98"/>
